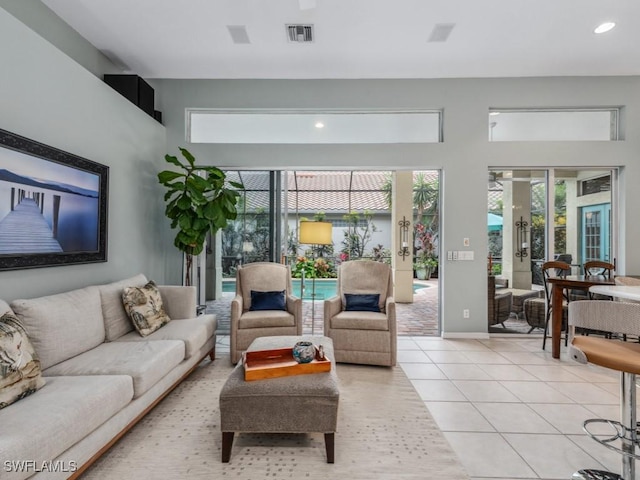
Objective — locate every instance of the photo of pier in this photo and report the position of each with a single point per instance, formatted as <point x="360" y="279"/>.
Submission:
<point x="46" y="207"/>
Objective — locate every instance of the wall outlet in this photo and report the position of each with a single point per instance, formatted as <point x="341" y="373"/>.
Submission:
<point x="465" y="313"/>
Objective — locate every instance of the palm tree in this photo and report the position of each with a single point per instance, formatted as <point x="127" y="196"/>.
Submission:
<point x="425" y="200"/>
<point x="425" y="197"/>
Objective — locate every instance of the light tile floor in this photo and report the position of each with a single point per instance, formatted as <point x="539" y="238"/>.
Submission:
<point x="508" y="409"/>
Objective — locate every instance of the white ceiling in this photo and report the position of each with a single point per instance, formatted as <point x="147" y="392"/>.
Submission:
<point x="361" y="38"/>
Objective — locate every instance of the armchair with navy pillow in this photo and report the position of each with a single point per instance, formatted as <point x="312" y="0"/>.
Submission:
<point x="361" y="318"/>
<point x="264" y="305"/>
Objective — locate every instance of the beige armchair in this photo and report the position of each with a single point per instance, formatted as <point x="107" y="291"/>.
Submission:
<point x="363" y="336"/>
<point x="249" y="323"/>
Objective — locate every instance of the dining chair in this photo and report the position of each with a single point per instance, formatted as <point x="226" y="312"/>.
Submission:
<point x="535" y="307"/>
<point x="598" y="267"/>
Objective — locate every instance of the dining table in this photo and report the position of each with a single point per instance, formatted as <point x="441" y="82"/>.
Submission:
<point x="561" y="283"/>
<point x="623" y="292"/>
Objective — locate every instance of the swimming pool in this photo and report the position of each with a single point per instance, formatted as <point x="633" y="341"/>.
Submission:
<point x="325" y="287"/>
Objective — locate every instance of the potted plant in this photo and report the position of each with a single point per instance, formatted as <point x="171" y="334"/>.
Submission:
<point x="198" y="202"/>
<point x="424" y="266"/>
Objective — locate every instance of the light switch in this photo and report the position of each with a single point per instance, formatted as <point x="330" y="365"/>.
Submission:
<point x="466" y="255"/>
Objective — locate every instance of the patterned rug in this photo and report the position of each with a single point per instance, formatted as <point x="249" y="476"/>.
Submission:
<point x="384" y="431"/>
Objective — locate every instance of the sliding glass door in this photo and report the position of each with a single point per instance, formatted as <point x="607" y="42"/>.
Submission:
<point x="540" y="215"/>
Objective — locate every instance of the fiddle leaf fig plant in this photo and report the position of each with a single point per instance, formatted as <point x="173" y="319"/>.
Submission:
<point x="199" y="201"/>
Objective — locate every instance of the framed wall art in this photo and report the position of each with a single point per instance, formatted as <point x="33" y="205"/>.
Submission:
<point x="53" y="206"/>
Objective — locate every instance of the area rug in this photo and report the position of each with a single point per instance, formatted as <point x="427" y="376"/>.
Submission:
<point x="384" y="431"/>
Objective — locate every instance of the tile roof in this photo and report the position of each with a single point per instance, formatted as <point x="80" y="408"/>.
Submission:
<point x="314" y="191"/>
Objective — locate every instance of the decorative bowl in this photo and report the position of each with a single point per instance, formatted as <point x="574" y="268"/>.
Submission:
<point x="304" y="352"/>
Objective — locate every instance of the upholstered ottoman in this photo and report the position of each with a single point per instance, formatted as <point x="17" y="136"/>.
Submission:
<point x="293" y="404"/>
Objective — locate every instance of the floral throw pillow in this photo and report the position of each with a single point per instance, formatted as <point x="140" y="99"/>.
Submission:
<point x="144" y="307"/>
<point x="20" y="373"/>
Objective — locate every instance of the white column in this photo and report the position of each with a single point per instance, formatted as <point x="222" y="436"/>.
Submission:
<point x="402" y="206"/>
<point x="521" y="207"/>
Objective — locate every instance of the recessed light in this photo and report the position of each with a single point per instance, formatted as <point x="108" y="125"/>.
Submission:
<point x="319" y="125"/>
<point x="604" y="27"/>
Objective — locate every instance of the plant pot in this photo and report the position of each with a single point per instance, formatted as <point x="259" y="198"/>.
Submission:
<point x="421" y="273"/>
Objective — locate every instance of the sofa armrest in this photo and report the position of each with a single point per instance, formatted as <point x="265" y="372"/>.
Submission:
<point x="179" y="302"/>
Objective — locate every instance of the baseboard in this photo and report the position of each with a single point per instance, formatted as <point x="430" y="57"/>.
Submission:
<point x="472" y="335"/>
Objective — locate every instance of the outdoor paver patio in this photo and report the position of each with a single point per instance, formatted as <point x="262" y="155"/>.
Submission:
<point x="419" y="318"/>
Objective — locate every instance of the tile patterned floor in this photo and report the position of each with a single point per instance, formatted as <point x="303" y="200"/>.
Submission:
<point x="507" y="408"/>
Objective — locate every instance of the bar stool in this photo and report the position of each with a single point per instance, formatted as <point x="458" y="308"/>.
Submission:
<point x="621" y="318"/>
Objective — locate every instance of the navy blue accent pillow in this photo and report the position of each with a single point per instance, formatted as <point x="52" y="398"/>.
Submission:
<point x="267" y="300"/>
<point x="365" y="302"/>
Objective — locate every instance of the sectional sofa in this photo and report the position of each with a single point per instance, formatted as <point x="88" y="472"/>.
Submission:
<point x="101" y="376"/>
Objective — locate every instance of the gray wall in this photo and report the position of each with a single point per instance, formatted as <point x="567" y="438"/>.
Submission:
<point x="464" y="157"/>
<point x="47" y="97"/>
<point x="55" y="30"/>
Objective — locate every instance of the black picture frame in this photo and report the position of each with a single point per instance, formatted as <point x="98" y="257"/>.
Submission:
<point x="42" y="186"/>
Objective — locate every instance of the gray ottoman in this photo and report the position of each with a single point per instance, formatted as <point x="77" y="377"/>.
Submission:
<point x="294" y="404"/>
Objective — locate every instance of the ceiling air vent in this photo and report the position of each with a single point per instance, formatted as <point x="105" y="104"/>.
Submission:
<point x="300" y="33"/>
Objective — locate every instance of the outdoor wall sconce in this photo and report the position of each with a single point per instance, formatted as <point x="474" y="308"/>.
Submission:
<point x="521" y="239"/>
<point x="404" y="237"/>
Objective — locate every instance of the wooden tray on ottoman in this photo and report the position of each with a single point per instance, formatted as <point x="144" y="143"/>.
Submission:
<point x="261" y="364"/>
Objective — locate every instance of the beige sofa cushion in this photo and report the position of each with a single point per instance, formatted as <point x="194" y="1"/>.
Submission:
<point x="145" y="308"/>
<point x="116" y="320"/>
<point x="194" y="332"/>
<point x="64" y="325"/>
<point x="145" y="362"/>
<point x="53" y="419"/>
<point x="20" y="373"/>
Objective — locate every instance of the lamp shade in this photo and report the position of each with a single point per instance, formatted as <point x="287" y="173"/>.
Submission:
<point x="315" y="233"/>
